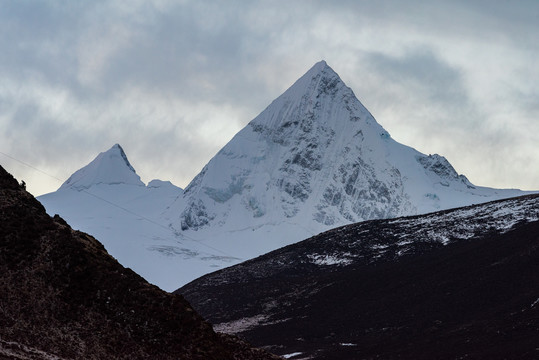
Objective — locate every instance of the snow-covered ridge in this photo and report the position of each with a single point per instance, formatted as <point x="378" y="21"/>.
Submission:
<point x="441" y="227"/>
<point x="156" y="183"/>
<point x="403" y="236"/>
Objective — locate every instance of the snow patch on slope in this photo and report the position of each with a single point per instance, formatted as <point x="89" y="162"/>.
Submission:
<point x="341" y="259"/>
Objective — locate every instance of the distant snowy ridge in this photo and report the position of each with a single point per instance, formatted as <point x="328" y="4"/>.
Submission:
<point x="439" y="227"/>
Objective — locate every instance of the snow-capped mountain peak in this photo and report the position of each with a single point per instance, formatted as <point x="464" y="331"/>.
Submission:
<point x="285" y="159"/>
<point x="316" y="90"/>
<point x="316" y="158"/>
<point x="109" y="167"/>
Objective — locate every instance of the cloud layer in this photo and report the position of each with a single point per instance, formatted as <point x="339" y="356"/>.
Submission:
<point x="174" y="81"/>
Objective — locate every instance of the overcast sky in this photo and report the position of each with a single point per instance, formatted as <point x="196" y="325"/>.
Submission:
<point x="173" y="81"/>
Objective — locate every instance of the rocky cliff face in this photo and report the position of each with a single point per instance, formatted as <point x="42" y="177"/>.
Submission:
<point x="63" y="296"/>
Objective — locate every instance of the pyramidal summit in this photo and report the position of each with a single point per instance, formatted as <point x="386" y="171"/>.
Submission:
<point x="316" y="158"/>
<point x="313" y="160"/>
<point x="110" y="167"/>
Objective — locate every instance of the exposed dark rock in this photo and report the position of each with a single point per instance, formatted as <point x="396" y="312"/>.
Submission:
<point x="449" y="285"/>
<point x="63" y="296"/>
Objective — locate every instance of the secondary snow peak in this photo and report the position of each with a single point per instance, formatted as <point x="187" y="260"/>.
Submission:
<point x="109" y="167"/>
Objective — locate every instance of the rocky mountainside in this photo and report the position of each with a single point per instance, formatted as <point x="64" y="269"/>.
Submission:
<point x="459" y="283"/>
<point x="62" y="296"/>
<point x="313" y="160"/>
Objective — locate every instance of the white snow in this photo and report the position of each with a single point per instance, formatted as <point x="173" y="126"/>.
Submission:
<point x="125" y="215"/>
<point x="244" y="324"/>
<point x="240" y="325"/>
<point x="493" y="215"/>
<point x="16" y="350"/>
<point x="291" y="355"/>
<point x="330" y="259"/>
<point x="126" y="219"/>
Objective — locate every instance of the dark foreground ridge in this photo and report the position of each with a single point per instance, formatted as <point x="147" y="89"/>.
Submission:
<point x="456" y="284"/>
<point x="62" y="296"/>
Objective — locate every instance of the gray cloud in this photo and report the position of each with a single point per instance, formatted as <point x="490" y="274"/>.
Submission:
<point x="174" y="81"/>
<point x="430" y="107"/>
<point x="421" y="70"/>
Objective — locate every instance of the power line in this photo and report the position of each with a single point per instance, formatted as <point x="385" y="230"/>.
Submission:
<point x="30" y="166"/>
<point x="156" y="223"/>
<point x="175" y="234"/>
